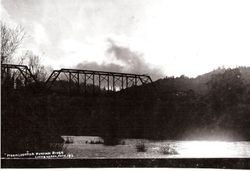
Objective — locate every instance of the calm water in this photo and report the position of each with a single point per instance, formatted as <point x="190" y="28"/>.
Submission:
<point x="157" y="149"/>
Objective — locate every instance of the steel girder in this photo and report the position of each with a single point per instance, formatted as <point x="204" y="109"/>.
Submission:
<point x="21" y="72"/>
<point x="82" y="81"/>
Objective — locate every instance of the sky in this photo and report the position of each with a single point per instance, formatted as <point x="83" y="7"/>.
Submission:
<point x="156" y="37"/>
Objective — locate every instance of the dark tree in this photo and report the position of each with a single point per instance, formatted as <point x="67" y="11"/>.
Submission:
<point x="37" y="69"/>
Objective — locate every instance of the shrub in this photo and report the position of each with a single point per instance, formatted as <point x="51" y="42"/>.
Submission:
<point x="141" y="147"/>
<point x="68" y="140"/>
<point x="110" y="140"/>
<point x="96" y="142"/>
<point x="168" y="150"/>
<point x="122" y="142"/>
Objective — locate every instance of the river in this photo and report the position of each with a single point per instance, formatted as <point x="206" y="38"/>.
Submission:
<point x="81" y="148"/>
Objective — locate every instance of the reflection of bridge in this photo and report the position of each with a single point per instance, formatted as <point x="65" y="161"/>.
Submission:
<point x="80" y="81"/>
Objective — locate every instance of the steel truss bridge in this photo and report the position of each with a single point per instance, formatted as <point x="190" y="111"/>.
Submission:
<point x="86" y="81"/>
<point x="16" y="73"/>
<point x="78" y="81"/>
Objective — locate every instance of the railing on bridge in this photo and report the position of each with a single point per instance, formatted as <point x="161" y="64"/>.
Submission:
<point x="89" y="81"/>
<point x="16" y="75"/>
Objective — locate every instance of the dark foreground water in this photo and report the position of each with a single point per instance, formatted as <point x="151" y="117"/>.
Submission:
<point x="81" y="148"/>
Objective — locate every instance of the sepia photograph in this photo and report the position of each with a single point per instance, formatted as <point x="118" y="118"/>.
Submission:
<point x="125" y="83"/>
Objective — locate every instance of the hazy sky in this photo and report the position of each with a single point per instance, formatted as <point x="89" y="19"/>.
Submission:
<point x="176" y="37"/>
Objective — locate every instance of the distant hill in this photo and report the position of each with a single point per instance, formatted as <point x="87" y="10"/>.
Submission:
<point x="198" y="84"/>
<point x="245" y="72"/>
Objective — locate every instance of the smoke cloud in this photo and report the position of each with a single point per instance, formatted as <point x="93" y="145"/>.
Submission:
<point x="123" y="60"/>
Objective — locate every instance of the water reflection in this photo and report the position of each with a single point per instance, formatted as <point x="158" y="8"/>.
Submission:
<point x="208" y="149"/>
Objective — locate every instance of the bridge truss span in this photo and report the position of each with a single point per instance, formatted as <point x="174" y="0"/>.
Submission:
<point x="73" y="80"/>
<point x="19" y="75"/>
<point x="90" y="81"/>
